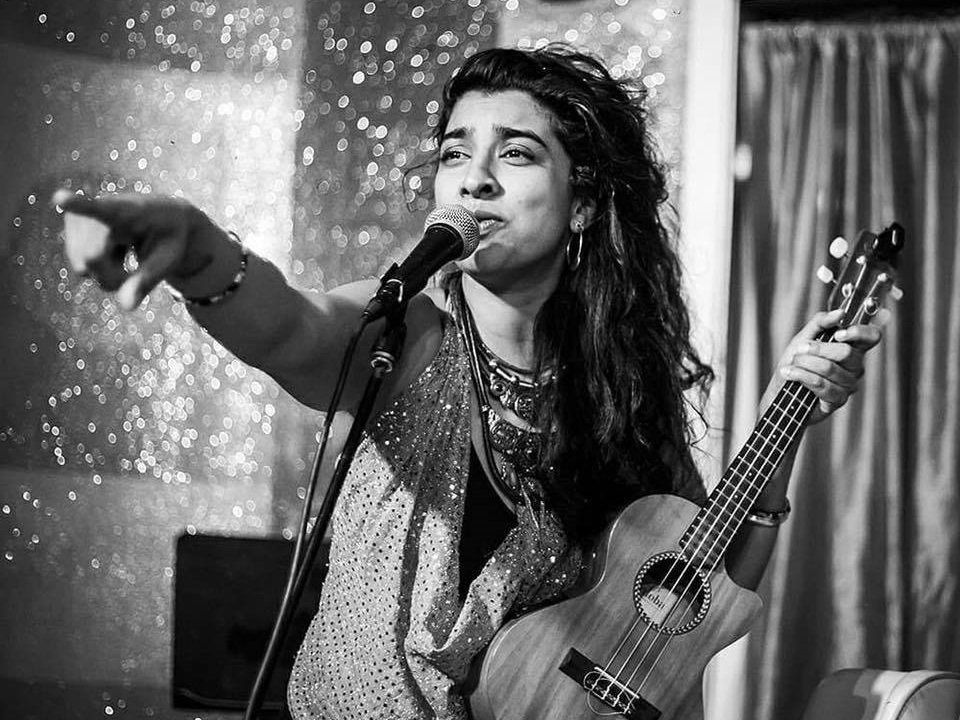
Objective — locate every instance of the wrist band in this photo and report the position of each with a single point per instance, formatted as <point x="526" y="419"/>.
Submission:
<point x="768" y="518"/>
<point x="236" y="282"/>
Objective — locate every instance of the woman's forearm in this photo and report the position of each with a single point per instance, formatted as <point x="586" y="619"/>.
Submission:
<point x="261" y="320"/>
<point x="295" y="337"/>
<point x="752" y="546"/>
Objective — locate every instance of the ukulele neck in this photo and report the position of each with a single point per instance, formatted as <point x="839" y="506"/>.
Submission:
<point x="777" y="430"/>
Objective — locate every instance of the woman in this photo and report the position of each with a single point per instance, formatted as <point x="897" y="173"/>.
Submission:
<point x="542" y="387"/>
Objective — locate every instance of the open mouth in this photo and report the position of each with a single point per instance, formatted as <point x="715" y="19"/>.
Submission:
<point x="487" y="225"/>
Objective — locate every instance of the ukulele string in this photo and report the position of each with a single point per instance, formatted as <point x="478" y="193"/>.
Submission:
<point x="807" y="398"/>
<point x="678" y="563"/>
<point x="627" y="635"/>
<point x="659" y="656"/>
<point x="700" y="570"/>
<point x="795" y="392"/>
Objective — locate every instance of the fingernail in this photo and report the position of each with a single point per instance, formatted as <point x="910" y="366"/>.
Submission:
<point x="804" y="348"/>
<point x="61" y="196"/>
<point x="840" y="335"/>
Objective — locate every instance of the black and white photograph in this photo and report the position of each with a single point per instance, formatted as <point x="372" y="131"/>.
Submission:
<point x="480" y="359"/>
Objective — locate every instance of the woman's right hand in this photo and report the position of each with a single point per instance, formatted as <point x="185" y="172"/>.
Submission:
<point x="172" y="240"/>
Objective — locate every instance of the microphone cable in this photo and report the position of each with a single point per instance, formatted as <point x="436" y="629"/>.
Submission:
<point x="281" y="624"/>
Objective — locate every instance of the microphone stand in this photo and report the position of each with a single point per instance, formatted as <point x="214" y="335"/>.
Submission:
<point x="386" y="351"/>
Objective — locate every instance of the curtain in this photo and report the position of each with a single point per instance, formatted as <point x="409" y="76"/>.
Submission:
<point x="842" y="127"/>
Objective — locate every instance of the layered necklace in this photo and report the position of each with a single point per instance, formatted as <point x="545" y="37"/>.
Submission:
<point x="503" y="389"/>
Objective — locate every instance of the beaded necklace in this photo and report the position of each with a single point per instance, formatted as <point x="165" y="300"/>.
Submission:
<point x="514" y="389"/>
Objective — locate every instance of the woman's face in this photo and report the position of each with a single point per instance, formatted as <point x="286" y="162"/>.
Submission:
<point x="500" y="159"/>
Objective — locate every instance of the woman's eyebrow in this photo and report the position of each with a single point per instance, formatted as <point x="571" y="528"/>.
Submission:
<point x="512" y="132"/>
<point x="503" y="131"/>
<point x="457" y="133"/>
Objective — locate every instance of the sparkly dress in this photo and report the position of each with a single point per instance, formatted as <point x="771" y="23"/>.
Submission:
<point x="393" y="638"/>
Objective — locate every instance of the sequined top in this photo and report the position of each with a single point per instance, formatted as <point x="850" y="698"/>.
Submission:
<point x="392" y="638"/>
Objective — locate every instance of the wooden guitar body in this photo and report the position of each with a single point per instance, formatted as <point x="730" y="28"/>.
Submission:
<point x="521" y="678"/>
<point x="635" y="644"/>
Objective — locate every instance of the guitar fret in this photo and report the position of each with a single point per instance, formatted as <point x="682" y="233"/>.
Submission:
<point x="718" y="512"/>
<point x="714" y="527"/>
<point x="775" y="425"/>
<point x="708" y="549"/>
<point x="748" y="470"/>
<point x="735" y="494"/>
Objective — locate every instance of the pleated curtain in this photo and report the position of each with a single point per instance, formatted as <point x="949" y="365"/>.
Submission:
<point x="843" y="127"/>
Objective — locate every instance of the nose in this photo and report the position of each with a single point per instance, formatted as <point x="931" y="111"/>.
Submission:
<point x="479" y="181"/>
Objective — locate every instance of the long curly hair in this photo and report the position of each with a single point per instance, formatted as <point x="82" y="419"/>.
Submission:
<point x="619" y="415"/>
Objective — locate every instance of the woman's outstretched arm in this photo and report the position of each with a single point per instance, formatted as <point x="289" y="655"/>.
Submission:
<point x="298" y="338"/>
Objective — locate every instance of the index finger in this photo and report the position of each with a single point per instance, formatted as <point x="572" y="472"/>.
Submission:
<point x="819" y="323"/>
<point x="112" y="210"/>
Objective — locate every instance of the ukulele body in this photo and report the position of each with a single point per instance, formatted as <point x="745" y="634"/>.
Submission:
<point x="539" y="666"/>
<point x="635" y="644"/>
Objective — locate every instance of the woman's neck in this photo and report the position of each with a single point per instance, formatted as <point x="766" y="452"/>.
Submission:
<point x="506" y="320"/>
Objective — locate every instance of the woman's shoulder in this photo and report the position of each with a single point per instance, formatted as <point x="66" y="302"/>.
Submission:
<point x="427" y="323"/>
<point x="426" y="307"/>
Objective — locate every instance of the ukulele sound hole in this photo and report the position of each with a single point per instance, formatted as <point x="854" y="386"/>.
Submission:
<point x="670" y="595"/>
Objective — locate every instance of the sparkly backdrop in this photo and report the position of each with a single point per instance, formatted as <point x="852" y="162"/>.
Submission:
<point x="293" y="123"/>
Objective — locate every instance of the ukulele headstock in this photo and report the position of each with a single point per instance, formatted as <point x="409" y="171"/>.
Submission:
<point x="868" y="275"/>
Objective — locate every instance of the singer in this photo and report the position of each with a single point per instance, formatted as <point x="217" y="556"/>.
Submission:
<point x="542" y="388"/>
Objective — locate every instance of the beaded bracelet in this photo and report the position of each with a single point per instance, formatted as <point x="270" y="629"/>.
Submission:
<point x="768" y="518"/>
<point x="238" y="278"/>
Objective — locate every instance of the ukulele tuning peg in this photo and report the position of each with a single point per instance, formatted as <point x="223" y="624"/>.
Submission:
<point x="896" y="293"/>
<point x="883" y="317"/>
<point x="838" y="248"/>
<point x="825" y="275"/>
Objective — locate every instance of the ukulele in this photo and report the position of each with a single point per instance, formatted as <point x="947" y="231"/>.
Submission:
<point x="636" y="643"/>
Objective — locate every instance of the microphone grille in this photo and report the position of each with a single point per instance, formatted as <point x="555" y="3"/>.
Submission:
<point x="461" y="221"/>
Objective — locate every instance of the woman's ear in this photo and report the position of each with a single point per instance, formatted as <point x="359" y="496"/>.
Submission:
<point x="581" y="215"/>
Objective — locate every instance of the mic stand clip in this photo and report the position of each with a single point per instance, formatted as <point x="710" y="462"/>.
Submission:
<point x="389" y="299"/>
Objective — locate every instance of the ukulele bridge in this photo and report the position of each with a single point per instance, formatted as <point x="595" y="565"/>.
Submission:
<point x="606" y="688"/>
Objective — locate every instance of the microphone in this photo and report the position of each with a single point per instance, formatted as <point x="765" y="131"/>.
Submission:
<point x="450" y="232"/>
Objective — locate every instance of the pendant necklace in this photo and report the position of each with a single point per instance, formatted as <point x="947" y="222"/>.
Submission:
<point x="499" y="383"/>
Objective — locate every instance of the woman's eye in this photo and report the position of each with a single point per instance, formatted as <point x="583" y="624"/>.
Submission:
<point x="517" y="153"/>
<point x="451" y="154"/>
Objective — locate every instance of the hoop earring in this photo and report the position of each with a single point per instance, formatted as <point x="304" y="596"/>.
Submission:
<point x="573" y="260"/>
